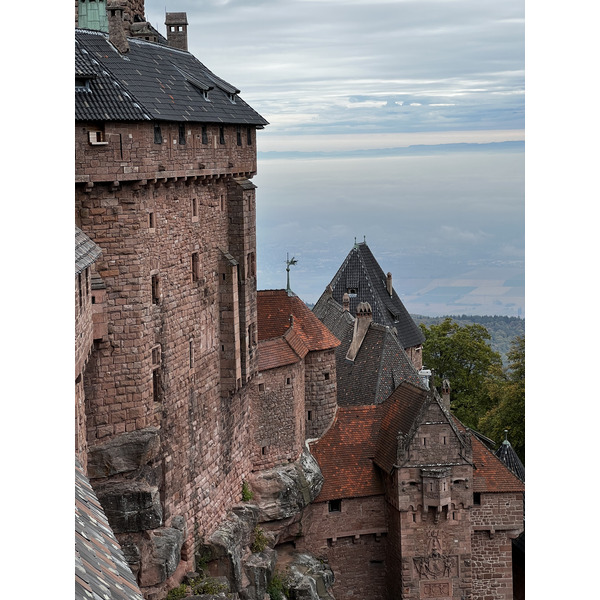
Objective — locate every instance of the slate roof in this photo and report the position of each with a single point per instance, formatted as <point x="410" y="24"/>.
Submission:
<point x="101" y="571"/>
<point x="380" y="365"/>
<point x="274" y="308"/>
<point x="151" y="82"/>
<point x="362" y="272"/>
<point x="345" y="454"/>
<point x="86" y="251"/>
<point x="506" y="453"/>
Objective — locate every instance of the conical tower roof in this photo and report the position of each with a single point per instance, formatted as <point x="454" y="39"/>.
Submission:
<point x="508" y="456"/>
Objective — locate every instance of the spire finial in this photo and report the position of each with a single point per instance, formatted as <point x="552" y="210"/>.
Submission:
<point x="289" y="263"/>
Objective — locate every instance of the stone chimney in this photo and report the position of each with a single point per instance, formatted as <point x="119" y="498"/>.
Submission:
<point x="388" y="284"/>
<point x="364" y="317"/>
<point x="346" y="301"/>
<point x="446" y="394"/>
<point x="117" y="29"/>
<point x="177" y="30"/>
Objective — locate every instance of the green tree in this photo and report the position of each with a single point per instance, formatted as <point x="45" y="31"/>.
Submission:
<point x="508" y="397"/>
<point x="462" y="354"/>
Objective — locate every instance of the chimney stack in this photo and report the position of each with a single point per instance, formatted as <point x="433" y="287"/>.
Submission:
<point x="117" y="34"/>
<point x="364" y="317"/>
<point x="346" y="301"/>
<point x="388" y="284"/>
<point x="446" y="394"/>
<point x="177" y="30"/>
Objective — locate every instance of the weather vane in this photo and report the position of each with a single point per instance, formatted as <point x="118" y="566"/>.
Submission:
<point x="289" y="263"/>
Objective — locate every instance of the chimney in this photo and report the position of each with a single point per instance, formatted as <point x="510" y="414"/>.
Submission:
<point x="446" y="394"/>
<point x="364" y="317"/>
<point x="346" y="302"/>
<point x="116" y="25"/>
<point x="177" y="30"/>
<point x="388" y="284"/>
<point x="329" y="291"/>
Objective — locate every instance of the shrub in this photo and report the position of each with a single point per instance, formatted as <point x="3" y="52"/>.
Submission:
<point x="246" y="492"/>
<point x="260" y="540"/>
<point x="278" y="588"/>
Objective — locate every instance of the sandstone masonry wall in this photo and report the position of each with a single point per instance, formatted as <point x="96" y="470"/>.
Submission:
<point x="278" y="416"/>
<point x="321" y="392"/>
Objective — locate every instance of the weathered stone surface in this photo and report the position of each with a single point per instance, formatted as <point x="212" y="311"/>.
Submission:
<point x="130" y="505"/>
<point x="226" y="547"/>
<point x="309" y="578"/>
<point x="283" y="491"/>
<point x="161" y="555"/>
<point x="123" y="453"/>
<point x="259" y="569"/>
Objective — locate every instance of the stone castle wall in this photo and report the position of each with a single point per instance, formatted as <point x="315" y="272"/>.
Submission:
<point x="321" y="392"/>
<point x="278" y="416"/>
<point x="84" y="338"/>
<point x="131" y="151"/>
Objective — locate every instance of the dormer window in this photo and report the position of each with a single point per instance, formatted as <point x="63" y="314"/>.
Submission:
<point x="231" y="98"/>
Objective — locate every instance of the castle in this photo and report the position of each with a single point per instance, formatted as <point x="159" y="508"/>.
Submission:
<point x="211" y="416"/>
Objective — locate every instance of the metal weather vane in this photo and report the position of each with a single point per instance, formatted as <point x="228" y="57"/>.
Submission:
<point x="289" y="263"/>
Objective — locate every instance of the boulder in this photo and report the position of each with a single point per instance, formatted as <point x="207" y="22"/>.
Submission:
<point x="283" y="491"/>
<point x="309" y="578"/>
<point x="130" y="505"/>
<point x="123" y="453"/>
<point x="161" y="551"/>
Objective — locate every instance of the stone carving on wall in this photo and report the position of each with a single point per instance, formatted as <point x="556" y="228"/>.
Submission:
<point x="435" y="564"/>
<point x="436" y="590"/>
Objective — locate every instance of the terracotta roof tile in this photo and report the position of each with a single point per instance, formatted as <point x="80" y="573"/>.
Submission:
<point x="400" y="411"/>
<point x="345" y="454"/>
<point x="275" y="353"/>
<point x="490" y="473"/>
<point x="274" y="310"/>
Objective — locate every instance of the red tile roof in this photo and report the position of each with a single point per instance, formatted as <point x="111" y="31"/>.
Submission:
<point x="400" y="411"/>
<point x="274" y="310"/>
<point x="275" y="353"/>
<point x="345" y="454"/>
<point x="490" y="473"/>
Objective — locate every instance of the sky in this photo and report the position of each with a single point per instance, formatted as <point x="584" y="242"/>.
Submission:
<point x="395" y="122"/>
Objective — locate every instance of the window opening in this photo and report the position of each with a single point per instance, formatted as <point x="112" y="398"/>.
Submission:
<point x="182" y="134"/>
<point x="195" y="266"/>
<point x="204" y="135"/>
<point x="477" y="498"/>
<point x="335" y="506"/>
<point x="238" y="132"/>
<point x="155" y="289"/>
<point x="150" y="220"/>
<point x="221" y="135"/>
<point x="157" y="134"/>
<point x="249" y="135"/>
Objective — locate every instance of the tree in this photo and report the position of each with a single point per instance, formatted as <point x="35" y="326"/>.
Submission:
<point x="462" y="355"/>
<point x="508" y="396"/>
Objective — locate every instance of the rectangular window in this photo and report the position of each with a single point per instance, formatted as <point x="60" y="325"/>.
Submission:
<point x="261" y="387"/>
<point x="263" y="450"/>
<point x="155" y="289"/>
<point x="195" y="266"/>
<point x="150" y="220"/>
<point x="309" y="416"/>
<point x="156" y="395"/>
<point x="157" y="134"/>
<point x="87" y="282"/>
<point x="221" y="135"/>
<point x="191" y="354"/>
<point x="335" y="506"/>
<point x="182" y="134"/>
<point x="194" y="209"/>
<point x="204" y="135"/>
<point x="79" y="288"/>
<point x="238" y="132"/>
<point x="156" y="352"/>
<point x="326" y="376"/>
<point x="249" y="135"/>
<point x="477" y="498"/>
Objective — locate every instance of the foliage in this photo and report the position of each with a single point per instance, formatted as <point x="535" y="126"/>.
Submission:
<point x="260" y="540"/>
<point x="278" y="588"/>
<point x="181" y="591"/>
<point x="247" y="493"/>
<point x="508" y="396"/>
<point x="503" y="330"/>
<point x="462" y="355"/>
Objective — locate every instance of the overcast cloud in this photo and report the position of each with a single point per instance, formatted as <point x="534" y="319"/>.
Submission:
<point x="400" y="121"/>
